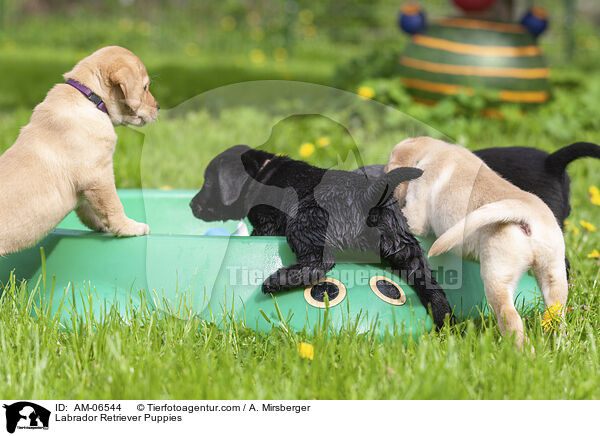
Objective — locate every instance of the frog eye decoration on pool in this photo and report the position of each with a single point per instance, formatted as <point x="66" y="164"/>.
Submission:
<point x="315" y="294"/>
<point x="385" y="288"/>
<point x="388" y="290"/>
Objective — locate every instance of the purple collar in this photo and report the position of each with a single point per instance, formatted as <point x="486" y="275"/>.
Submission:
<point x="91" y="95"/>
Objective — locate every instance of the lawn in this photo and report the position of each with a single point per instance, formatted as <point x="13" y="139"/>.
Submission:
<point x="171" y="354"/>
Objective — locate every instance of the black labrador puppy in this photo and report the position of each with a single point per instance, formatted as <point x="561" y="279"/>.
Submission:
<point x="539" y="172"/>
<point x="319" y="211"/>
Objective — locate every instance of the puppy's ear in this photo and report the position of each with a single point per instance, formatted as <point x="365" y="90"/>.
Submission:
<point x="232" y="178"/>
<point x="254" y="160"/>
<point x="403" y="174"/>
<point x="124" y="77"/>
<point x="383" y="187"/>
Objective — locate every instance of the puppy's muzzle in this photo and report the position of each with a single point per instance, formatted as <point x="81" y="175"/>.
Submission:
<point x="196" y="209"/>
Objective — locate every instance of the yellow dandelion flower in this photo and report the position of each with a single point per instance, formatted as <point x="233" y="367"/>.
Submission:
<point x="552" y="317"/>
<point x="257" y="56"/>
<point x="192" y="49"/>
<point x="280" y="54"/>
<point x="588" y="226"/>
<point x="594" y="195"/>
<point x="575" y="230"/>
<point x="366" y="92"/>
<point x="595" y="254"/>
<point x="323" y="142"/>
<point x="306" y="351"/>
<point x="228" y="23"/>
<point x="306" y="16"/>
<point x="166" y="188"/>
<point x="307" y="149"/>
<point x="12" y="46"/>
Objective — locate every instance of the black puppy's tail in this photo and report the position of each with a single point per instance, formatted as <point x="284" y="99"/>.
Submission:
<point x="381" y="189"/>
<point x="557" y="162"/>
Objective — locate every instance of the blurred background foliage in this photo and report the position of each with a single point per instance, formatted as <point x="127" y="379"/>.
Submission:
<point x="190" y="47"/>
<point x="193" y="46"/>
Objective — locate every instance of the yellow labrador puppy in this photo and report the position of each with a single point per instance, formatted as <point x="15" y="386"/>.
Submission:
<point x="478" y="213"/>
<point x="63" y="159"/>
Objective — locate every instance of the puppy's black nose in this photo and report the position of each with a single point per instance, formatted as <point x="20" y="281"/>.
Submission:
<point x="157" y="106"/>
<point x="196" y="209"/>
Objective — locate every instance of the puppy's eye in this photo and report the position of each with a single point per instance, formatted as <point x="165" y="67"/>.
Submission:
<point x="146" y="88"/>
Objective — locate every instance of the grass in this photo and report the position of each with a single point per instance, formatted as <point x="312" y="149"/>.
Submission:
<point x="171" y="354"/>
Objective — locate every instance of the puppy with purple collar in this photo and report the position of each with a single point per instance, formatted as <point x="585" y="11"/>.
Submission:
<point x="63" y="159"/>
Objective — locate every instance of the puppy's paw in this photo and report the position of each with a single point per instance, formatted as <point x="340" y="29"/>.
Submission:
<point x="270" y="287"/>
<point x="101" y="228"/>
<point x="97" y="227"/>
<point x="133" y="228"/>
<point x="440" y="311"/>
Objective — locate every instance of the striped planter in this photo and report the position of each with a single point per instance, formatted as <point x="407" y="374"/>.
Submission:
<point x="465" y="55"/>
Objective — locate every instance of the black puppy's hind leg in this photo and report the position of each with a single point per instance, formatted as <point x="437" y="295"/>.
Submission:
<point x="404" y="253"/>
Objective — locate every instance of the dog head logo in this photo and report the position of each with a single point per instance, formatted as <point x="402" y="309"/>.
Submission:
<point x="26" y="415"/>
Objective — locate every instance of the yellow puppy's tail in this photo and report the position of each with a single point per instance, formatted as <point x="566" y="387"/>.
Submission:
<point x="504" y="211"/>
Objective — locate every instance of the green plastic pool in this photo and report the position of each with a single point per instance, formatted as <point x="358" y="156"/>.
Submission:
<point x="217" y="275"/>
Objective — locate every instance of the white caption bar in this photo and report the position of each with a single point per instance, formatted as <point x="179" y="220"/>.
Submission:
<point x="147" y="417"/>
